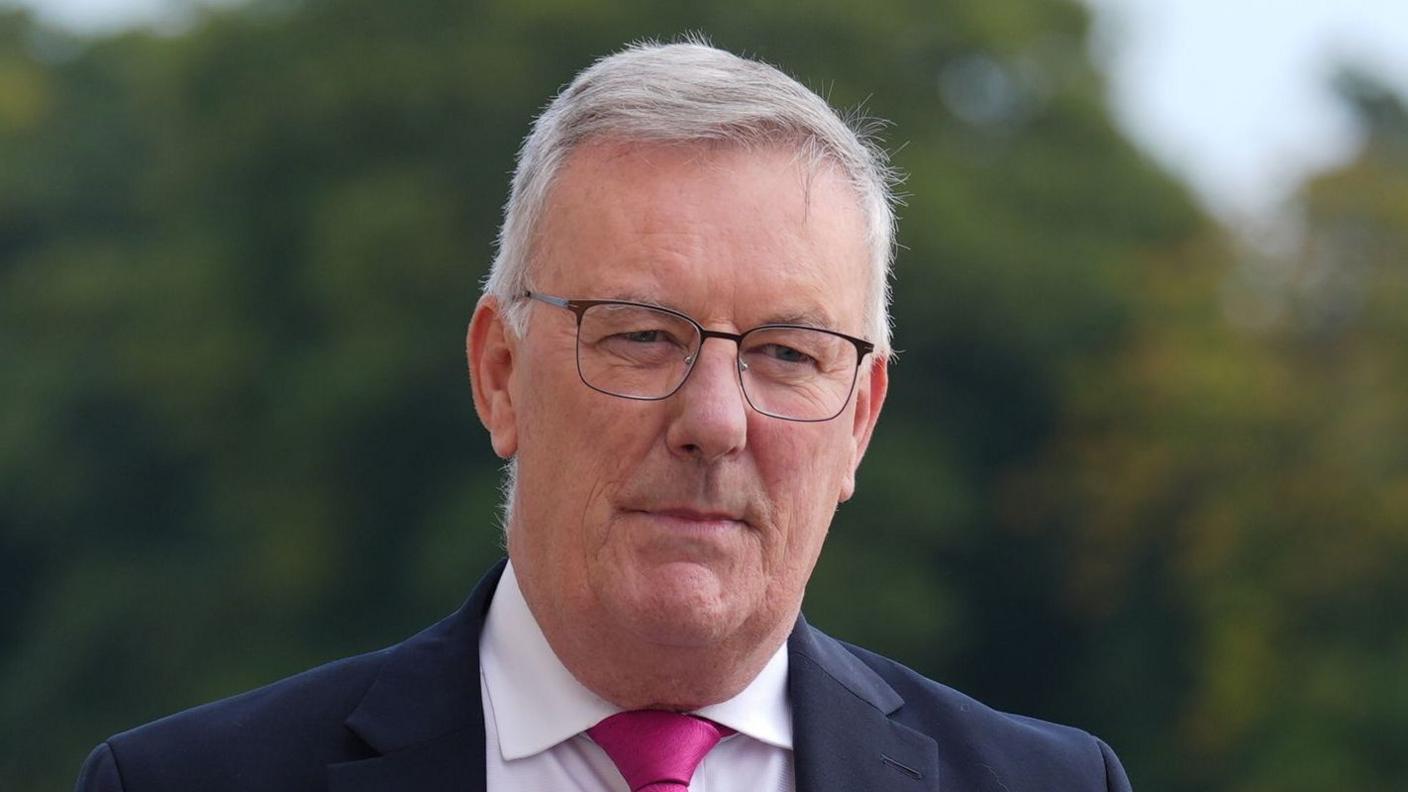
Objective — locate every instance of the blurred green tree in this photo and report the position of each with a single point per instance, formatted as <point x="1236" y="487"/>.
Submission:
<point x="1234" y="496"/>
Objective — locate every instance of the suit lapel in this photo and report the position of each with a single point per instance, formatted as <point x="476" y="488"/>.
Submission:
<point x="423" y="714"/>
<point x="843" y="737"/>
<point x="424" y="717"/>
<point x="454" y="761"/>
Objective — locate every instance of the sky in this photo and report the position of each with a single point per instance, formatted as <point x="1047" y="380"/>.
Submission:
<point x="1232" y="96"/>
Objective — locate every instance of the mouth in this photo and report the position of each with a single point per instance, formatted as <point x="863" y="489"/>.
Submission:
<point x="691" y="519"/>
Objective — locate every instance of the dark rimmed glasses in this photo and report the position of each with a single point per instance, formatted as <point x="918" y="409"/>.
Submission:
<point x="639" y="351"/>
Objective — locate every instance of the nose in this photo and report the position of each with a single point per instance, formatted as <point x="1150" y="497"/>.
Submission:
<point x="710" y="419"/>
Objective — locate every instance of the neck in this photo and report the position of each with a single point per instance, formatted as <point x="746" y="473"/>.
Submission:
<point x="635" y="672"/>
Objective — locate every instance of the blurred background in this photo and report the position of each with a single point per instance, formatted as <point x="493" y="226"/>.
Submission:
<point x="1144" y="467"/>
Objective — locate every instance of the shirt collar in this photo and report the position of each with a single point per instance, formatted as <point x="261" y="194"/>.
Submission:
<point x="760" y="710"/>
<point x="537" y="703"/>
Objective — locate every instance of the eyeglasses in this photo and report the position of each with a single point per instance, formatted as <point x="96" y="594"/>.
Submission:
<point x="637" y="351"/>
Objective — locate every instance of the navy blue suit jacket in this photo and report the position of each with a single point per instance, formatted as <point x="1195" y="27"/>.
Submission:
<point x="409" y="717"/>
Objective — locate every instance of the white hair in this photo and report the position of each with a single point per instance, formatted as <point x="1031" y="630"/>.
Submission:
<point x="691" y="92"/>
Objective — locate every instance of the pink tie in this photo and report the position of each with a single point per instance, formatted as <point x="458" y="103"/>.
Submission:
<point x="655" y="750"/>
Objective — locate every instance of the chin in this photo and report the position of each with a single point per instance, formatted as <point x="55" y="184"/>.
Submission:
<point x="682" y="604"/>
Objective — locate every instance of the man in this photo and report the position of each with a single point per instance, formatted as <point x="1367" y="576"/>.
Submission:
<point x="682" y="351"/>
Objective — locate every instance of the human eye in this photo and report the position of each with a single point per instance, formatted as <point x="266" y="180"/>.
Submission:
<point x="640" y="330"/>
<point x="645" y="336"/>
<point x="786" y="353"/>
<point x="783" y="354"/>
<point x="635" y="335"/>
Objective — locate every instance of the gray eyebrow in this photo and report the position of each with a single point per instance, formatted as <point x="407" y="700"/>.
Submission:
<point x="817" y="319"/>
<point x="809" y="318"/>
<point x="636" y="297"/>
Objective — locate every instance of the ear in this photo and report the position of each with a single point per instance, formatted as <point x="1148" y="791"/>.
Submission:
<point x="874" y="383"/>
<point x="491" y="350"/>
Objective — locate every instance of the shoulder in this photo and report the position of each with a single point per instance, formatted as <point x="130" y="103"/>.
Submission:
<point x="981" y="747"/>
<point x="280" y="736"/>
<point x="284" y="736"/>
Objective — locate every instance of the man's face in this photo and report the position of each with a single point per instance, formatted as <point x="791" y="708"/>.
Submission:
<point x="692" y="520"/>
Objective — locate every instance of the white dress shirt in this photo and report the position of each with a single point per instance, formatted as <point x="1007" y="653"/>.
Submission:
<point x="536" y="715"/>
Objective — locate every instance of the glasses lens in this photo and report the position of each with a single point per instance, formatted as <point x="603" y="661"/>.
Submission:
<point x="797" y="373"/>
<point x="634" y="351"/>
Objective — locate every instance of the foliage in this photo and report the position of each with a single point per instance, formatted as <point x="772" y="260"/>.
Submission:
<point x="236" y="440"/>
<point x="1236" y="495"/>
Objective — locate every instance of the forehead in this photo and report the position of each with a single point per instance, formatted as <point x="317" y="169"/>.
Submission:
<point x="731" y="234"/>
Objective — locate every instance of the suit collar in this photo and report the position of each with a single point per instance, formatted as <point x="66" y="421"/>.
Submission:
<point x="843" y="736"/>
<point x="423" y="713"/>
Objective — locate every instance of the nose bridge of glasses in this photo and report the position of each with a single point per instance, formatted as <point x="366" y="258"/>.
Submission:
<point x="704" y="335"/>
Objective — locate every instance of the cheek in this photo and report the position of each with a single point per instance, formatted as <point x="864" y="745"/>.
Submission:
<point x="803" y="476"/>
<point x="561" y="418"/>
<point x="582" y="446"/>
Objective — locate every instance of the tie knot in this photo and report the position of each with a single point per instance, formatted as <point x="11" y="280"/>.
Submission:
<point x="655" y="749"/>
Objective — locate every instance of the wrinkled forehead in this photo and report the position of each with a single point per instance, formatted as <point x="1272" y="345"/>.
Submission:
<point x="706" y="226"/>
